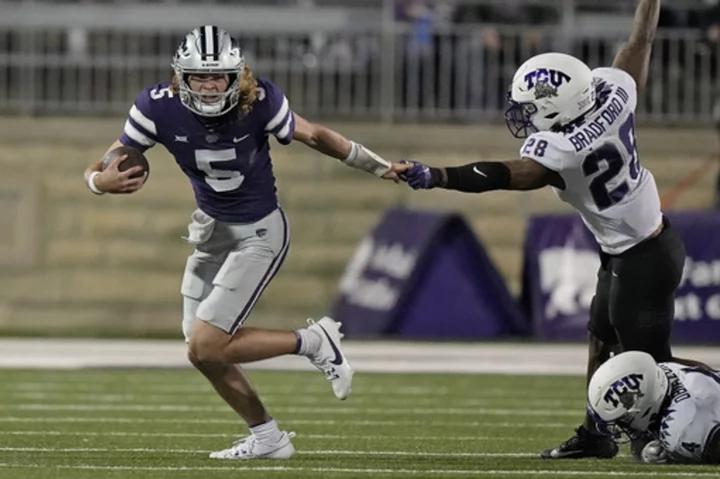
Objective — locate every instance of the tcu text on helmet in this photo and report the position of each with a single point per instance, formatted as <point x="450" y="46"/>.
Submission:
<point x="554" y="77"/>
<point x="631" y="382"/>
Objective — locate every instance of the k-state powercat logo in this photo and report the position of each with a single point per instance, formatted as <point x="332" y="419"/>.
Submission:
<point x="374" y="275"/>
<point x="569" y="277"/>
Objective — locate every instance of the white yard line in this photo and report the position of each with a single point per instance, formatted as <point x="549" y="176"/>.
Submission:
<point x="435" y="472"/>
<point x="86" y="384"/>
<point x="329" y="452"/>
<point x="297" y="410"/>
<point x="383" y="357"/>
<point x="184" y="400"/>
<point x="284" y="422"/>
<point x="235" y="436"/>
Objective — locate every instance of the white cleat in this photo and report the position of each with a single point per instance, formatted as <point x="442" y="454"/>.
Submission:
<point x="330" y="359"/>
<point x="250" y="448"/>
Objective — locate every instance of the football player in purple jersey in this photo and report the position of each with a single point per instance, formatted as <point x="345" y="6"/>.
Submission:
<point x="216" y="119"/>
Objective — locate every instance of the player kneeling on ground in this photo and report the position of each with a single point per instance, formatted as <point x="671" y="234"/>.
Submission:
<point x="216" y="120"/>
<point x="675" y="407"/>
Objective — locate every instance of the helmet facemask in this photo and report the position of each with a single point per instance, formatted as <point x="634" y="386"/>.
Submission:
<point x="525" y="118"/>
<point x="209" y="50"/>
<point x="197" y="101"/>
<point x="519" y="118"/>
<point x="623" y="429"/>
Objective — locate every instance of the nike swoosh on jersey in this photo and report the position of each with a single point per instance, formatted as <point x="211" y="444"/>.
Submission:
<point x="238" y="140"/>
<point x="338" y="356"/>
<point x="475" y="169"/>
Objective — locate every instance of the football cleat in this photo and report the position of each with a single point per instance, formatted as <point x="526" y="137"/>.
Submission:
<point x="583" y="444"/>
<point x="329" y="359"/>
<point x="250" y="448"/>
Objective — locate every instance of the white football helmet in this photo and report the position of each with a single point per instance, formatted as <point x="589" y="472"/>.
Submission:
<point x="209" y="50"/>
<point x="626" y="393"/>
<point x="549" y="90"/>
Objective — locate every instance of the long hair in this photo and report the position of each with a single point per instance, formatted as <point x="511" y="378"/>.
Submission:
<point x="248" y="91"/>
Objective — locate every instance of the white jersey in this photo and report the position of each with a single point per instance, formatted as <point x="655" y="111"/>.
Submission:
<point x="598" y="161"/>
<point x="692" y="416"/>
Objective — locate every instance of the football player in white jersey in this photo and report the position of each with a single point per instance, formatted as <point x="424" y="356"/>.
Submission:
<point x="579" y="131"/>
<point x="677" y="406"/>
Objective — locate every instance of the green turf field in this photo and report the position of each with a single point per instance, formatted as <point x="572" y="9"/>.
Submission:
<point x="163" y="423"/>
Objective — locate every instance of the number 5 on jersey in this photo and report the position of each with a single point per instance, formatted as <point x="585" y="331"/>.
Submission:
<point x="218" y="179"/>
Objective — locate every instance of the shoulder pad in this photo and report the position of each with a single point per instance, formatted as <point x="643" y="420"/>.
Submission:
<point x="552" y="150"/>
<point x="141" y="127"/>
<point x="274" y="111"/>
<point x="620" y="78"/>
<point x="149" y="99"/>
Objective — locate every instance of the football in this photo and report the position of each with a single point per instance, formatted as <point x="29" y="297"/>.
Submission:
<point x="134" y="158"/>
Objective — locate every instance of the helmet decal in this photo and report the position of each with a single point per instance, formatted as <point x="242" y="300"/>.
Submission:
<point x="544" y="90"/>
<point x="560" y="88"/>
<point x="544" y="75"/>
<point x="625" y="391"/>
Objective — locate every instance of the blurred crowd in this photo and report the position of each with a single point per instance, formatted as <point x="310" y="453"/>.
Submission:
<point x="494" y="38"/>
<point x="704" y="16"/>
<point x="461" y="54"/>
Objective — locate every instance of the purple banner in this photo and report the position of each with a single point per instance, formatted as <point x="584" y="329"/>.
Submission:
<point x="424" y="275"/>
<point x="560" y="274"/>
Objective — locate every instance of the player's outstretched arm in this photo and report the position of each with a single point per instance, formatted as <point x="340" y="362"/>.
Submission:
<point x="112" y="180"/>
<point x="520" y="175"/>
<point x="335" y="145"/>
<point x="634" y="55"/>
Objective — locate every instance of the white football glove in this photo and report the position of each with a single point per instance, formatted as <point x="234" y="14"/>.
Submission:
<point x="654" y="453"/>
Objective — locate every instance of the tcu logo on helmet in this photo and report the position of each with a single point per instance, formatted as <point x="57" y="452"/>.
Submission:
<point x="624" y="391"/>
<point x="553" y="77"/>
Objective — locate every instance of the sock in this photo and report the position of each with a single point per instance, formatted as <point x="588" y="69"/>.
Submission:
<point x="308" y="342"/>
<point x="267" y="432"/>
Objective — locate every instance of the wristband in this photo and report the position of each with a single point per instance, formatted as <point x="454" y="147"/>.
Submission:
<point x="91" y="183"/>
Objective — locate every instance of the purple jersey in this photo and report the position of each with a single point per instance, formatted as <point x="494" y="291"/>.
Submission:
<point x="228" y="160"/>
